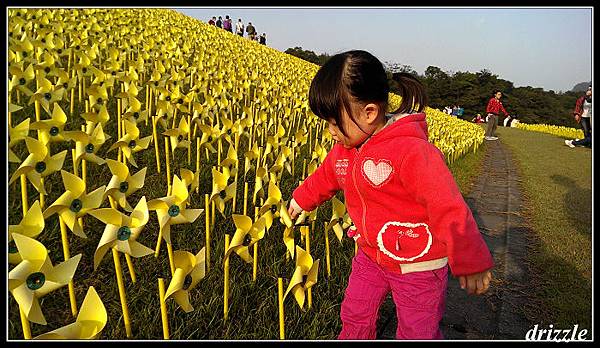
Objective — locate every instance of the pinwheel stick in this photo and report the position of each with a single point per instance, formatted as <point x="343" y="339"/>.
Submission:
<point x="168" y="163"/>
<point x="246" y="199"/>
<point x="280" y="301"/>
<point x="67" y="255"/>
<point x="163" y="308"/>
<point x="171" y="260"/>
<point x="189" y="136"/>
<point x="155" y="138"/>
<point x="255" y="262"/>
<point x="24" y="201"/>
<point x="207" y="220"/>
<point x="25" y="325"/>
<point x="307" y="241"/>
<point x="327" y="251"/>
<point x="122" y="296"/>
<point x="42" y="196"/>
<point x="74" y="156"/>
<point x="197" y="160"/>
<point x="226" y="279"/>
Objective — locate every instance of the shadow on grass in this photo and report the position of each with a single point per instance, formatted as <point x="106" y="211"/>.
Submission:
<point x="577" y="204"/>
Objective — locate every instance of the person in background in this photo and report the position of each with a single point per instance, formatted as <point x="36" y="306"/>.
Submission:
<point x="239" y="27"/>
<point x="493" y="108"/>
<point x="219" y="22"/>
<point x="251" y="31"/>
<point x="212" y="21"/>
<point x="477" y="119"/>
<point x="507" y="121"/>
<point x="227" y="24"/>
<point x="454" y="110"/>
<point x="583" y="116"/>
<point x="460" y="111"/>
<point x="263" y="39"/>
<point x="514" y="121"/>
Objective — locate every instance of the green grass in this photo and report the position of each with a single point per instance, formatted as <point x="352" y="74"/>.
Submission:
<point x="467" y="169"/>
<point x="557" y="183"/>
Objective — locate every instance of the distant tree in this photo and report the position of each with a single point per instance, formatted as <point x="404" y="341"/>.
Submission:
<point x="307" y="55"/>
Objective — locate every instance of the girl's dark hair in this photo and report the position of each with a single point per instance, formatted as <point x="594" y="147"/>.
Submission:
<point x="357" y="76"/>
<point x="412" y="92"/>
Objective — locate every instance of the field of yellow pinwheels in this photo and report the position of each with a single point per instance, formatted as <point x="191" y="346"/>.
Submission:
<point x="559" y="131"/>
<point x="151" y="157"/>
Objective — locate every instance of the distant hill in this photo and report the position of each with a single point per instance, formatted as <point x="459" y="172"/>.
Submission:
<point x="581" y="87"/>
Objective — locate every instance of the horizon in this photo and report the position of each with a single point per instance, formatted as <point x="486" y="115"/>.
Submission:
<point x="532" y="41"/>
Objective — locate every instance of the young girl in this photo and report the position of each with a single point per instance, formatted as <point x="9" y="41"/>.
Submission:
<point x="411" y="220"/>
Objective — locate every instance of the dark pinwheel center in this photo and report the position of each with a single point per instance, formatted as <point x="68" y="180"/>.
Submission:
<point x="18" y="14"/>
<point x="132" y="144"/>
<point x="76" y="205"/>
<point x="180" y="137"/>
<point x="54" y="131"/>
<point x="22" y="81"/>
<point x="84" y="70"/>
<point x="99" y="100"/>
<point x="114" y="73"/>
<point x="59" y="51"/>
<point x="173" y="210"/>
<point x="223" y="194"/>
<point x="156" y="83"/>
<point x="33" y="17"/>
<point x="43" y="40"/>
<point x="12" y="247"/>
<point x="40" y="167"/>
<point x="229" y="132"/>
<point x="340" y="221"/>
<point x="168" y="98"/>
<point x="274" y="208"/>
<point x="47" y="69"/>
<point x="247" y="240"/>
<point x="65" y="85"/>
<point x="124" y="186"/>
<point x="136" y="115"/>
<point x="24" y="54"/>
<point x="47" y="96"/>
<point x="77" y="47"/>
<point x="187" y="282"/>
<point x="304" y="279"/>
<point x="124" y="233"/>
<point x="174" y="83"/>
<point x="89" y="148"/>
<point x="180" y="101"/>
<point x="210" y="138"/>
<point x="36" y="280"/>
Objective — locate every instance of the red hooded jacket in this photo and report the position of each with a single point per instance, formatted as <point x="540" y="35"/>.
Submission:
<point x="403" y="200"/>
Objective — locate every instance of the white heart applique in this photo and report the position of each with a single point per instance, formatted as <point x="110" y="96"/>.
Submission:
<point x="377" y="173"/>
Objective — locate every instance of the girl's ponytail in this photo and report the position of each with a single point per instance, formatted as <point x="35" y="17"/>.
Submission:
<point x="412" y="91"/>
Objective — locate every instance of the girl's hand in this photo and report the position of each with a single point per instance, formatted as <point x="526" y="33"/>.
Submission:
<point x="293" y="213"/>
<point x="477" y="283"/>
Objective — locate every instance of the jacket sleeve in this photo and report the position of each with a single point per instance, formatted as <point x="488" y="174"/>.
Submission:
<point x="490" y="107"/>
<point x="320" y="186"/>
<point x="425" y="175"/>
<point x="578" y="107"/>
<point x="502" y="109"/>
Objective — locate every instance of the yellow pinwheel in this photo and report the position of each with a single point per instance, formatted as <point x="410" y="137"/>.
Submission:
<point x="178" y="136"/>
<point x="122" y="184"/>
<point x="340" y="220"/>
<point x="34" y="277"/>
<point x="52" y="130"/>
<point x="249" y="156"/>
<point x="191" y="179"/>
<point x="131" y="143"/>
<point x="259" y="181"/>
<point x="86" y="145"/>
<point x="93" y="118"/>
<point x="172" y="209"/>
<point x="97" y="95"/>
<point x="21" y="78"/>
<point x="16" y="134"/>
<point x="230" y="163"/>
<point x="189" y="270"/>
<point x="75" y="202"/>
<point x="304" y="277"/>
<point x="90" y="321"/>
<point x="221" y="192"/>
<point x="274" y="206"/>
<point x="47" y="94"/>
<point x="246" y="235"/>
<point x="209" y="136"/>
<point x="38" y="164"/>
<point x="30" y="226"/>
<point x="122" y="231"/>
<point x="134" y="112"/>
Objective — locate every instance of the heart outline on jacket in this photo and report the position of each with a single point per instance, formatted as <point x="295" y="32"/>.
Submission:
<point x="377" y="173"/>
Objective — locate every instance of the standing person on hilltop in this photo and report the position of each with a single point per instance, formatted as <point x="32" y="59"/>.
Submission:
<point x="583" y="116"/>
<point x="493" y="108"/>
<point x="212" y="21"/>
<point x="263" y="39"/>
<point x="411" y="221"/>
<point x="239" y="27"/>
<point x="251" y="31"/>
<point x="219" y="22"/>
<point x="227" y="24"/>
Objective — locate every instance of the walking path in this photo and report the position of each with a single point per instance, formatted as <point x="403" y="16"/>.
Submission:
<point x="495" y="201"/>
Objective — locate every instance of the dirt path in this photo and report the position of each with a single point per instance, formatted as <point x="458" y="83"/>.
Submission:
<point x="496" y="204"/>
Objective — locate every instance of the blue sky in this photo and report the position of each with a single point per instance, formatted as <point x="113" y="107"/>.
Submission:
<point x="539" y="47"/>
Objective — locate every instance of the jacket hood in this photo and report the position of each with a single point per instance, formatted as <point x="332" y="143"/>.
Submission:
<point x="413" y="125"/>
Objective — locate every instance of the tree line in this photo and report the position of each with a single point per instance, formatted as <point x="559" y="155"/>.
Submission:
<point x="473" y="90"/>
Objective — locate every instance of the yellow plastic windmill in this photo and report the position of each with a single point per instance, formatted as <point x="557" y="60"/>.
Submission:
<point x="221" y="192"/>
<point x="340" y="220"/>
<point x="30" y="226"/>
<point x="122" y="184"/>
<point x="304" y="277"/>
<point x="230" y="163"/>
<point x="93" y="118"/>
<point x="47" y="94"/>
<point x="21" y="78"/>
<point x="75" y="202"/>
<point x="34" y="277"/>
<point x="172" y="209"/>
<point x="131" y="143"/>
<point x="259" y="181"/>
<point x="189" y="270"/>
<point x="134" y="111"/>
<point x="86" y="145"/>
<point x="97" y="95"/>
<point x="246" y="235"/>
<point x="275" y="207"/>
<point x="178" y="136"/>
<point x="16" y="134"/>
<point x="209" y="137"/>
<point x="122" y="231"/>
<point x="191" y="179"/>
<point x="39" y="164"/>
<point x="90" y="321"/>
<point x="52" y="130"/>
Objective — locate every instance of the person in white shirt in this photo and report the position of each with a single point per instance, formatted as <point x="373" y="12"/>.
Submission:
<point x="239" y="27"/>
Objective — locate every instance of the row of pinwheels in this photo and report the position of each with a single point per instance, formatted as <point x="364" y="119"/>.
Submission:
<point x="121" y="73"/>
<point x="560" y="131"/>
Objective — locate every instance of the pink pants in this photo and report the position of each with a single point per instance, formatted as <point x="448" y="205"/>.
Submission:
<point x="419" y="298"/>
